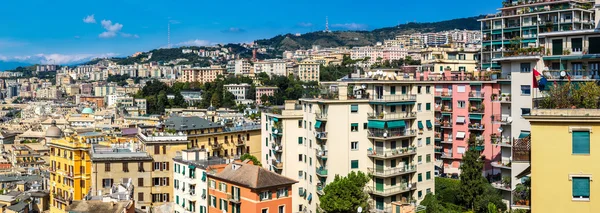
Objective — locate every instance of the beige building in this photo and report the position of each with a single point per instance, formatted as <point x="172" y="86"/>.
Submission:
<point x="439" y="59"/>
<point x="379" y="128"/>
<point x="307" y="71"/>
<point x="271" y="67"/>
<point x="117" y="162"/>
<point x="202" y="75"/>
<point x="268" y="91"/>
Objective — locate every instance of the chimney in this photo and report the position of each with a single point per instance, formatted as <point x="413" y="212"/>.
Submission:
<point x="343" y="91"/>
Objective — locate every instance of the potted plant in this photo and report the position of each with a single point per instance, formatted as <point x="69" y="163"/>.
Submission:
<point x="506" y="181"/>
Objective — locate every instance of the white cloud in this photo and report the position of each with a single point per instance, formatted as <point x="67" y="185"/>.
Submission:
<point x="305" y="24"/>
<point x="233" y="30"/>
<point x="195" y="42"/>
<point x="3" y="58"/>
<point x="127" y="35"/>
<point x="56" y="58"/>
<point x="351" y="26"/>
<point x="111" y="29"/>
<point x="89" y="19"/>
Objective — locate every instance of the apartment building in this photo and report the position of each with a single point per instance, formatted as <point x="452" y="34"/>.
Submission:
<point x="440" y="59"/>
<point x="162" y="147"/>
<point x="104" y="90"/>
<point x="574" y="52"/>
<point x="268" y="91"/>
<point x="308" y="71"/>
<point x="240" y="91"/>
<point x="122" y="162"/>
<point x="378" y="129"/>
<point x="568" y="135"/>
<point x="190" y="179"/>
<point x="70" y="166"/>
<point x="271" y="67"/>
<point x="216" y="139"/>
<point x="518" y="24"/>
<point x="242" y="67"/>
<point x="243" y="187"/>
<point x="201" y="75"/>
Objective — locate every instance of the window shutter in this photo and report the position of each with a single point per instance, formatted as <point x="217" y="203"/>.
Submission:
<point x="167" y="181"/>
<point x="581" y="142"/>
<point x="168" y="166"/>
<point x="581" y="187"/>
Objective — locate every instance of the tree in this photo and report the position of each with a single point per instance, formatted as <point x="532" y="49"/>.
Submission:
<point x="264" y="99"/>
<point x="492" y="208"/>
<point x="472" y="182"/>
<point x="248" y="156"/>
<point x="345" y="194"/>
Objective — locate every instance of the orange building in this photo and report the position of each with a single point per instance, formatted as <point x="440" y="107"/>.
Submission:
<point x="243" y="187"/>
<point x="97" y="100"/>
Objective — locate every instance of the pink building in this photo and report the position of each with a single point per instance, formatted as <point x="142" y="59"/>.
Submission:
<point x="268" y="91"/>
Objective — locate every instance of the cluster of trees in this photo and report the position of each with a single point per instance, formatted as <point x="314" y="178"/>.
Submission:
<point x="471" y="193"/>
<point x="121" y="80"/>
<point x="252" y="158"/>
<point x="345" y="194"/>
<point x="290" y="88"/>
<point x="395" y="63"/>
<point x="572" y="95"/>
<point x="155" y="93"/>
<point x="214" y="94"/>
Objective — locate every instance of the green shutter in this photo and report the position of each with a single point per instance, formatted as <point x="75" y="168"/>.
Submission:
<point x="581" y="142"/>
<point x="354" y="124"/>
<point x="524" y="134"/>
<point x="354" y="164"/>
<point x="428" y="106"/>
<point x="353" y="108"/>
<point x="427" y="140"/>
<point x="404" y="90"/>
<point x="429" y="125"/>
<point x="177" y="199"/>
<point x="581" y="187"/>
<point x="428" y="175"/>
<point x="299" y="140"/>
<point x="393" y="90"/>
<point x="318" y="124"/>
<point x="420" y="178"/>
<point x="420" y="124"/>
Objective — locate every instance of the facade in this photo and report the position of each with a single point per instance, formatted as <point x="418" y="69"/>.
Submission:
<point x="192" y="97"/>
<point x="440" y="59"/>
<point x="238" y="90"/>
<point x="268" y="91"/>
<point x="243" y="187"/>
<point x="308" y="71"/>
<point x="190" y="180"/>
<point x="123" y="161"/>
<point x="271" y="67"/>
<point x="384" y="133"/>
<point x="518" y="25"/>
<point x="201" y="75"/>
<point x="97" y="101"/>
<point x="568" y="135"/>
<point x="104" y="90"/>
<point x="242" y="67"/>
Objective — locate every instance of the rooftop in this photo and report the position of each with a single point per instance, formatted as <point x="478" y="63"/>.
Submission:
<point x="97" y="206"/>
<point x="118" y="152"/>
<point x="189" y="123"/>
<point x="252" y="176"/>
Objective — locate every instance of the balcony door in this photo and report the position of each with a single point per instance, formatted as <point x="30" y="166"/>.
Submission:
<point x="379" y="184"/>
<point x="379" y="92"/>
<point x="379" y="147"/>
<point x="379" y="166"/>
<point x="379" y="203"/>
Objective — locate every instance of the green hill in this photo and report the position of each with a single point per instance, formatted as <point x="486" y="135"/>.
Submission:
<point x="362" y="38"/>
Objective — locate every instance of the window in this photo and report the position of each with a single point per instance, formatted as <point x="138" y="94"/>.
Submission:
<point x="354" y="127"/>
<point x="107" y="167"/>
<point x="156" y="165"/>
<point x="107" y="183"/>
<point x="266" y="195"/>
<point x="281" y="209"/>
<point x="581" y="142"/>
<point x="393" y="90"/>
<point x="299" y="140"/>
<point x="428" y="175"/>
<point x="354" y="164"/>
<point x="156" y="149"/>
<point x="525" y="67"/>
<point x="557" y="47"/>
<point x="420" y="194"/>
<point x="140" y="181"/>
<point x="428" y="141"/>
<point x="460" y="89"/>
<point x="300" y="174"/>
<point x="141" y="167"/>
<point x="428" y="89"/>
<point x="310" y="161"/>
<point x="213" y="201"/>
<point x="428" y="158"/>
<point x="451" y="56"/>
<point x="354" y="145"/>
<point x="310" y="125"/>
<point x="419" y="89"/>
<point x="304" y="124"/>
<point x="594" y="45"/>
<point x="299" y="123"/>
<point x="581" y="188"/>
<point x="223" y="187"/>
<point x="300" y="157"/>
<point x="461" y="104"/>
<point x="420" y="159"/>
<point x="283" y="192"/>
<point x="428" y="106"/>
<point x="265" y="211"/>
<point x="393" y="163"/>
<point x="525" y="90"/>
<point x="392" y="108"/>
<point x="125" y="167"/>
<point x="353" y="108"/>
<point x="420" y="177"/>
<point x="140" y="196"/>
<point x="419" y="107"/>
<point x="223" y="205"/>
<point x="525" y="111"/>
<point x="428" y="191"/>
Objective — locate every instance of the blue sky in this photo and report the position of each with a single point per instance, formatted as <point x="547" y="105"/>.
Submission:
<point x="65" y="31"/>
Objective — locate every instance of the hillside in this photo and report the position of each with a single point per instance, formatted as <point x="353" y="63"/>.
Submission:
<point x="362" y="38"/>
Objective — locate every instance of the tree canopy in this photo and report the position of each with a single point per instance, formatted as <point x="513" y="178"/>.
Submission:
<point x="345" y="194"/>
<point x="254" y="160"/>
<point x="156" y="95"/>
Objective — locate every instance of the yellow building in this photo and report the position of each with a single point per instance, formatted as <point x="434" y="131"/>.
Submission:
<point x="70" y="166"/>
<point x="563" y="159"/>
<point x="439" y="59"/>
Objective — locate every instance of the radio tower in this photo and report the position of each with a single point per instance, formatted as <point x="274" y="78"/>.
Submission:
<point x="326" y="24"/>
<point x="169" y="35"/>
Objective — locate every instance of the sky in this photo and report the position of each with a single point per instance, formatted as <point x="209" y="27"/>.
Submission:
<point x="68" y="31"/>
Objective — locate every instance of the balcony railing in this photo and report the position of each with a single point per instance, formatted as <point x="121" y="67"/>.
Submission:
<point x="389" y="191"/>
<point x="391" y="116"/>
<point x="443" y="94"/>
<point x="446" y="124"/>
<point x="322" y="154"/>
<point x="391" y="133"/>
<point x="215" y="145"/>
<point x="387" y="172"/>
<point x="320" y="189"/>
<point x="502" y="141"/>
<point x="277" y="147"/>
<point x="501" y="98"/>
<point x="321" y="172"/>
<point x="277" y="164"/>
<point x="377" y="152"/>
<point x="321" y="135"/>
<point x="393" y="98"/>
<point x="476" y="94"/>
<point x="447" y="155"/>
<point x="476" y="126"/>
<point x="233" y="198"/>
<point x="241" y="142"/>
<point x="577" y="75"/>
<point x="502" y="186"/>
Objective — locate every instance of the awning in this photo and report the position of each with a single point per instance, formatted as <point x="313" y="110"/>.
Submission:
<point x="318" y="124"/>
<point x="401" y="103"/>
<point x="420" y="124"/>
<point x="203" y="176"/>
<point x="460" y="135"/>
<point x="428" y="122"/>
<point x="475" y="84"/>
<point x="396" y="124"/>
<point x="528" y="40"/>
<point x="446" y="114"/>
<point x="460" y="119"/>
<point x="496" y="43"/>
<point x="309" y="197"/>
<point x="275" y="119"/>
<point x="191" y="166"/>
<point x="496" y="32"/>
<point x="475" y="117"/>
<point x="524" y="134"/>
<point x="354" y="108"/>
<point x="376" y="124"/>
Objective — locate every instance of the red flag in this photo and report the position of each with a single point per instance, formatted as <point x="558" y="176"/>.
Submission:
<point x="536" y="78"/>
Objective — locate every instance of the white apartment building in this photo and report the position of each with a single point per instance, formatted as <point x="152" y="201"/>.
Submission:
<point x="189" y="175"/>
<point x="377" y="130"/>
<point x="242" y="67"/>
<point x="271" y="67"/>
<point x="104" y="90"/>
<point x="201" y="75"/>
<point x="240" y="92"/>
<point x="308" y="71"/>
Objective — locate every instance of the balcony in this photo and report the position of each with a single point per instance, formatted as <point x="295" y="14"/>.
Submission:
<point x="438" y="150"/>
<point x="443" y="95"/>
<point x="390" y="134"/>
<point x="446" y="110"/>
<point x="391" y="116"/>
<point x="62" y="199"/>
<point x="391" y="172"/>
<point x="575" y="75"/>
<point x="393" y="98"/>
<point x="446" y="125"/>
<point x="501" y="119"/>
<point x="476" y="127"/>
<point x="241" y="142"/>
<point x="215" y="145"/>
<point x="502" y="165"/>
<point x="476" y="95"/>
<point x="320" y="189"/>
<point x="234" y="198"/>
<point x="276" y="147"/>
<point x="277" y="164"/>
<point x="501" y="141"/>
<point x="501" y="185"/>
<point x="398" y="152"/>
<point x="476" y="109"/>
<point x="321" y="135"/>
<point x="321" y="172"/>
<point x="446" y="155"/>
<point x="389" y="191"/>
<point x="321" y="154"/>
<point x="321" y="116"/>
<point x="447" y="141"/>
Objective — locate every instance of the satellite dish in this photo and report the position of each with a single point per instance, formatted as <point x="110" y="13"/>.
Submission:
<point x="563" y="73"/>
<point x="369" y="73"/>
<point x="364" y="86"/>
<point x="500" y="129"/>
<point x="488" y="69"/>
